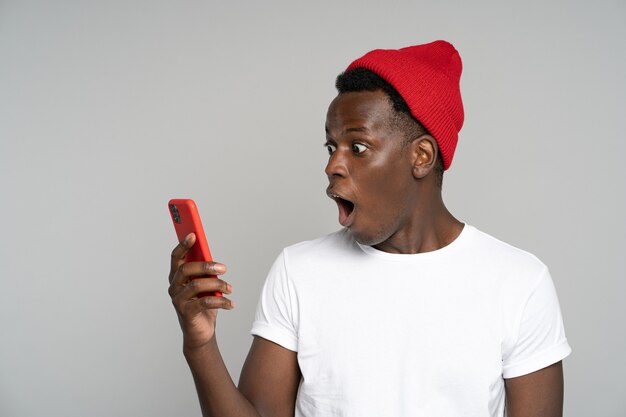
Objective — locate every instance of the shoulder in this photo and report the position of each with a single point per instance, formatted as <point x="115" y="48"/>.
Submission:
<point x="501" y="255"/>
<point x="311" y="255"/>
<point x="513" y="272"/>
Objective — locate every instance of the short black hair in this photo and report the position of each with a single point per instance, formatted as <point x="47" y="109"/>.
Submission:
<point x="361" y="79"/>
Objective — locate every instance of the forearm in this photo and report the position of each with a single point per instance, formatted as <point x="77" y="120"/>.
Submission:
<point x="218" y="395"/>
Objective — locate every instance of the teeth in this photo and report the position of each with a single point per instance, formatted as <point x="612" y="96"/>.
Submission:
<point x="335" y="196"/>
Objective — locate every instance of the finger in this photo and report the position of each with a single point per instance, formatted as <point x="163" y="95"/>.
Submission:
<point x="187" y="271"/>
<point x="191" y="271"/>
<point x="195" y="307"/>
<point x="198" y="287"/>
<point x="179" y="252"/>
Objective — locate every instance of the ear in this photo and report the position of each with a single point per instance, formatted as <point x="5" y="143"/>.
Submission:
<point x="424" y="155"/>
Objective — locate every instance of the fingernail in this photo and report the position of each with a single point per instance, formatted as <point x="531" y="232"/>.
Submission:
<point x="232" y="304"/>
<point x="219" y="268"/>
<point x="229" y="288"/>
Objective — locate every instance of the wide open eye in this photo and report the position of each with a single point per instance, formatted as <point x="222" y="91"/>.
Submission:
<point x="330" y="148"/>
<point x="358" y="148"/>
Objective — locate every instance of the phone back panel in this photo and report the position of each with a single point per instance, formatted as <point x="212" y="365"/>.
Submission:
<point x="186" y="220"/>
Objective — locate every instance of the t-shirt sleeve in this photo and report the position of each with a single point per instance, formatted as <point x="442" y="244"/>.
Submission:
<point x="541" y="337"/>
<point x="277" y="310"/>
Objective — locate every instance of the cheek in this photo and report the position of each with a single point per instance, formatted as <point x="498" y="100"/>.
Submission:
<point x="385" y="192"/>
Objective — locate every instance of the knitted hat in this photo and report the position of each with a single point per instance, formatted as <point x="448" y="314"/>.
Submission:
<point x="427" y="77"/>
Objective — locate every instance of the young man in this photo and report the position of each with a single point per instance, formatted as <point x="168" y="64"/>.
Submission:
<point x="405" y="311"/>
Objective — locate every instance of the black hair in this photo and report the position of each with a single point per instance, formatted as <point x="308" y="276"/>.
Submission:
<point x="361" y="79"/>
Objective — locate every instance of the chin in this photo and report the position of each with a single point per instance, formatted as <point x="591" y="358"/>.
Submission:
<point x="368" y="237"/>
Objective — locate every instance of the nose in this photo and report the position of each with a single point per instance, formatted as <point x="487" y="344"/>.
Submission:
<point x="337" y="165"/>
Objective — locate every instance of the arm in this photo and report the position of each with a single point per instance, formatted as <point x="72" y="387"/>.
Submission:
<point x="267" y="387"/>
<point x="270" y="378"/>
<point x="270" y="374"/>
<point x="539" y="394"/>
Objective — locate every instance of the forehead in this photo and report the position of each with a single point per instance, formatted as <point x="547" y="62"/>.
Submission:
<point x="367" y="109"/>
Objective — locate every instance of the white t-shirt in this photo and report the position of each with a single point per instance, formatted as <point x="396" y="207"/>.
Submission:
<point x="429" y="334"/>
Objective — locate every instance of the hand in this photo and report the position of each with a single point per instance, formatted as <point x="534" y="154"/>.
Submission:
<point x="189" y="283"/>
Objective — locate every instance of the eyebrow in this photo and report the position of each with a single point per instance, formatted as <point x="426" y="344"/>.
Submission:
<point x="350" y="129"/>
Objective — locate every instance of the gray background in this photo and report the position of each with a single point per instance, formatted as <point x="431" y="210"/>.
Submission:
<point x="110" y="108"/>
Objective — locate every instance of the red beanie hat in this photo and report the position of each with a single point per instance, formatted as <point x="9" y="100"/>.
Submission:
<point x="427" y="77"/>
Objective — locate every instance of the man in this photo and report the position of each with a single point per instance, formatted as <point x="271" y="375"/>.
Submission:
<point x="406" y="311"/>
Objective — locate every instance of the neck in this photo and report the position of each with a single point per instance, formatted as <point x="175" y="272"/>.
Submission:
<point x="430" y="227"/>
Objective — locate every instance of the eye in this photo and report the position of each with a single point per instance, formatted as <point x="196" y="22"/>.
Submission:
<point x="358" y="148"/>
<point x="330" y="148"/>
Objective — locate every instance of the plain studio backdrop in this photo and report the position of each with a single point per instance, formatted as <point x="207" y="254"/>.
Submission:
<point x="110" y="108"/>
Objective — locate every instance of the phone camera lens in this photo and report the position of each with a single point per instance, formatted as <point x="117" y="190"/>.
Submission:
<point x="175" y="213"/>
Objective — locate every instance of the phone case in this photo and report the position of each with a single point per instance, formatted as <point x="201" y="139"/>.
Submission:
<point x="186" y="219"/>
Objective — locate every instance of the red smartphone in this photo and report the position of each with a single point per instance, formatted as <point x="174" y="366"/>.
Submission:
<point x="186" y="220"/>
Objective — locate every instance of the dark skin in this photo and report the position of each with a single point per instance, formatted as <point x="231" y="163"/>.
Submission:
<point x="397" y="208"/>
<point x="270" y="376"/>
<point x="397" y="204"/>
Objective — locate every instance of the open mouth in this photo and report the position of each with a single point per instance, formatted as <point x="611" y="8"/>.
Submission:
<point x="346" y="209"/>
